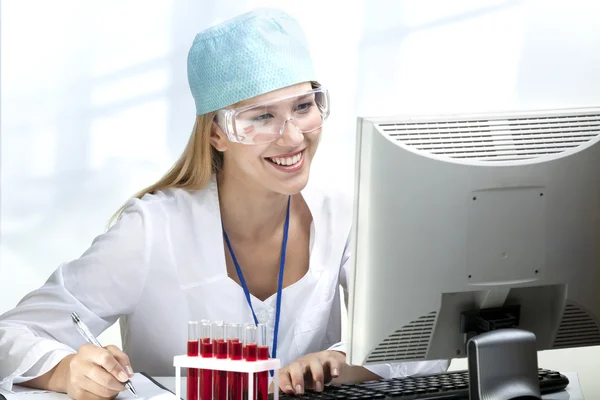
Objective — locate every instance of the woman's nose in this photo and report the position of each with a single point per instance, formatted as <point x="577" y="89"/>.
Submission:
<point x="291" y="134"/>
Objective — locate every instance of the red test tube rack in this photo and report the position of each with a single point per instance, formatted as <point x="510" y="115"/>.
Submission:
<point x="241" y="359"/>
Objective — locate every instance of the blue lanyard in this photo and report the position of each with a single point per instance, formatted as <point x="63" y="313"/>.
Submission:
<point x="279" y="284"/>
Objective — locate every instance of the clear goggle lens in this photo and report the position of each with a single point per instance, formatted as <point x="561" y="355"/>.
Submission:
<point x="266" y="122"/>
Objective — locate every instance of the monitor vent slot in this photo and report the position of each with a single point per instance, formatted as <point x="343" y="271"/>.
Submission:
<point x="577" y="328"/>
<point x="409" y="343"/>
<point x="497" y="138"/>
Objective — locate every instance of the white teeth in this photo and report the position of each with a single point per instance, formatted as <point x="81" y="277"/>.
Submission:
<point x="287" y="160"/>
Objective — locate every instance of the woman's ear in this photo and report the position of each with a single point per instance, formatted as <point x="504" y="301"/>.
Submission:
<point x="218" y="139"/>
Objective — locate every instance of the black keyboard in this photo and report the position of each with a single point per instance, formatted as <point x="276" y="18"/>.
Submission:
<point x="444" y="386"/>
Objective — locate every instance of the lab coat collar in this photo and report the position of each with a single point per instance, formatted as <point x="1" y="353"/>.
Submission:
<point x="209" y="217"/>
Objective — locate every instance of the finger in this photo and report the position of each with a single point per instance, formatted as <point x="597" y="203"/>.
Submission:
<point x="296" y="371"/>
<point x="332" y="365"/>
<point x="285" y="381"/>
<point x="316" y="373"/>
<point x="102" y="377"/>
<point x="97" y="389"/>
<point x="102" y="357"/>
<point x="122" y="358"/>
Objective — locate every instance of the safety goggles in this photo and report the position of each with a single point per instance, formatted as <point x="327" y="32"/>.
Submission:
<point x="265" y="122"/>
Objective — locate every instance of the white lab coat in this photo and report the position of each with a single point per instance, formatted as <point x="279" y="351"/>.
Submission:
<point x="162" y="265"/>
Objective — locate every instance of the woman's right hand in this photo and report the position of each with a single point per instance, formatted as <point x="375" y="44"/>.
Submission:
<point x="96" y="373"/>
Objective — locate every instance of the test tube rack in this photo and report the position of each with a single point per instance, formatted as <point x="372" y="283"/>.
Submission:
<point x="216" y="364"/>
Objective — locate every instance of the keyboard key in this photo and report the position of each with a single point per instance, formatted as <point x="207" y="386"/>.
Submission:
<point x="421" y="388"/>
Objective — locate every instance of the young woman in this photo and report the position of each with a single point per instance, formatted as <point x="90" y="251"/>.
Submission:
<point x="232" y="232"/>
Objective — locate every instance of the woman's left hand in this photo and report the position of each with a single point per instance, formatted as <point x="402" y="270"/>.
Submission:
<point x="313" y="371"/>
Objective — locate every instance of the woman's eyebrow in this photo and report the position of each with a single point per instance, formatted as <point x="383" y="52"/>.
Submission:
<point x="289" y="101"/>
<point x="305" y="96"/>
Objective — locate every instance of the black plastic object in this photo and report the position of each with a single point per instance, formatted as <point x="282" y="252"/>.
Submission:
<point x="476" y="322"/>
<point x="445" y="386"/>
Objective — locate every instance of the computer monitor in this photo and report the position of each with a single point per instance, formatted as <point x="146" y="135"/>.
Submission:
<point x="455" y="214"/>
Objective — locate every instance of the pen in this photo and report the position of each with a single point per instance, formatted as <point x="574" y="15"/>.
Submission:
<point x="87" y="335"/>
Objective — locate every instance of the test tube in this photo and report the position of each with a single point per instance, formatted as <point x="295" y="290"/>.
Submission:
<point x="192" y="351"/>
<point x="218" y="335"/>
<point x="250" y="342"/>
<point x="205" y="339"/>
<point x="206" y="351"/>
<point x="234" y="379"/>
<point x="249" y="356"/>
<point x="262" y="378"/>
<point x="233" y="333"/>
<point x="220" y="350"/>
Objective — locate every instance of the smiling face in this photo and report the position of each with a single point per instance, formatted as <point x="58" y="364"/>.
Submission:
<point x="280" y="166"/>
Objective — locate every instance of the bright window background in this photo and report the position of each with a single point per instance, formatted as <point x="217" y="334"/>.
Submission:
<point x="95" y="103"/>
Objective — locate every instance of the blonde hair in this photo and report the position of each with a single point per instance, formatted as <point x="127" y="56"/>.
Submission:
<point x="194" y="168"/>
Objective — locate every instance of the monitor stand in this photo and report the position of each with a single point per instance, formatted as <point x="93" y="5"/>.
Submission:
<point x="502" y="360"/>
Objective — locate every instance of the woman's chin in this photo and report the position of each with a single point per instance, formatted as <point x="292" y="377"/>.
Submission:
<point x="290" y="185"/>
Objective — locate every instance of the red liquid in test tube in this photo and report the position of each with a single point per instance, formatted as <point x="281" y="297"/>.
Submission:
<point x="234" y="379"/>
<point x="206" y="351"/>
<point x="217" y="334"/>
<point x="250" y="356"/>
<point x="192" y="351"/>
<point x="220" y="347"/>
<point x="262" y="378"/>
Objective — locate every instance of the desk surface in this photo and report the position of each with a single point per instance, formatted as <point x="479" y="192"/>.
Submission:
<point x="573" y="391"/>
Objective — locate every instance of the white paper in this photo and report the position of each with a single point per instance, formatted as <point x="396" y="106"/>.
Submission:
<point x="145" y="389"/>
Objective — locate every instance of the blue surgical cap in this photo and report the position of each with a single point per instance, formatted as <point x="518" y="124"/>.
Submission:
<point x="249" y="55"/>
